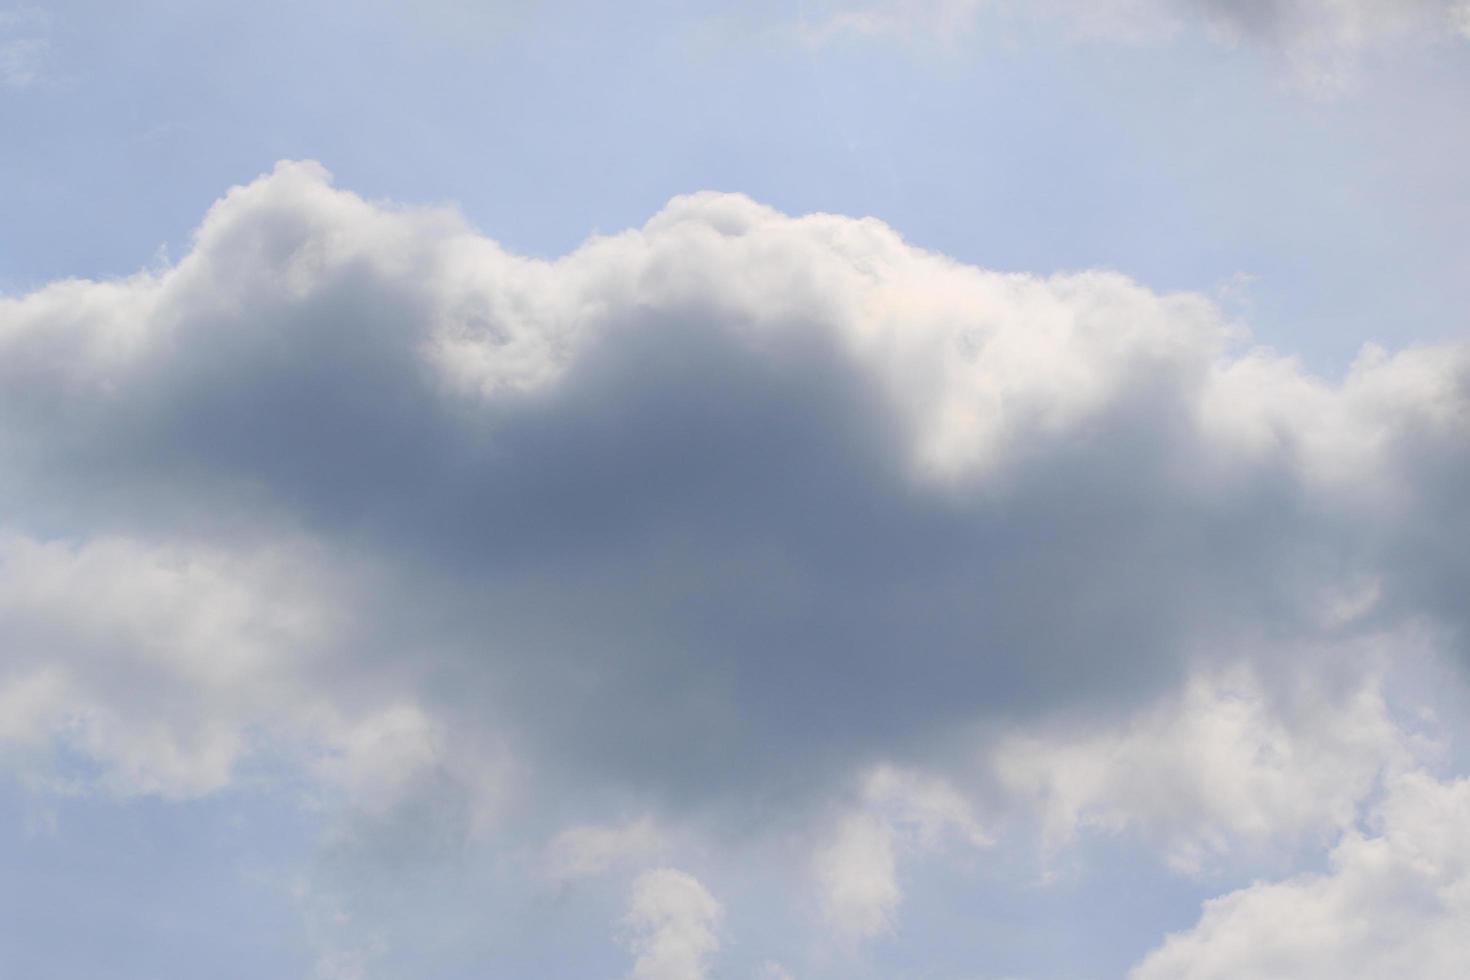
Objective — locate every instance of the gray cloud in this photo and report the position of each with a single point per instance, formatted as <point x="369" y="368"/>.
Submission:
<point x="734" y="505"/>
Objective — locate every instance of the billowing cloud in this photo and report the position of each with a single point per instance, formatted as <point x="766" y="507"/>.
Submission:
<point x="730" y="504"/>
<point x="1394" y="902"/>
<point x="741" y="523"/>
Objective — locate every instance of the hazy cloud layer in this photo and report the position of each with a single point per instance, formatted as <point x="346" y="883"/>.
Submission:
<point x="24" y="47"/>
<point x="1320" y="40"/>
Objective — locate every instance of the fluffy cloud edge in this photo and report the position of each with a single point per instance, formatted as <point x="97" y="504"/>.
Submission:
<point x="1393" y="902"/>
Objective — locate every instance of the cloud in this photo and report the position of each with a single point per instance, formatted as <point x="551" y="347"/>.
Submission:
<point x="581" y="852"/>
<point x="1328" y="23"/>
<point x="153" y="660"/>
<point x="24" y="47"/>
<point x="858" y="874"/>
<point x="899" y="813"/>
<point x="907" y="19"/>
<point x="1303" y="25"/>
<point x="712" y="521"/>
<point x="1225" y="765"/>
<point x="1322" y="40"/>
<point x="1393" y="903"/>
<point x="1319" y="40"/>
<point x="725" y="508"/>
<point x="172" y="668"/>
<point x="673" y="921"/>
<point x="20" y="61"/>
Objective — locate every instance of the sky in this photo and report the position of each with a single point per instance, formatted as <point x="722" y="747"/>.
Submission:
<point x="949" y="489"/>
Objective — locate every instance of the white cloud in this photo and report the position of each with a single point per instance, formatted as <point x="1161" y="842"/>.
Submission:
<point x="1227" y="764"/>
<point x="168" y="665"/>
<point x="674" y="924"/>
<point x="857" y="867"/>
<point x="155" y="661"/>
<point x="585" y="851"/>
<point x="925" y="809"/>
<point x="1393" y="903"/>
<point x="377" y="759"/>
<point x="857" y="871"/>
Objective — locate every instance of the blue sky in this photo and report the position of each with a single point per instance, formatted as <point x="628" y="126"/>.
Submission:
<point x="774" y="491"/>
<point x="1188" y="164"/>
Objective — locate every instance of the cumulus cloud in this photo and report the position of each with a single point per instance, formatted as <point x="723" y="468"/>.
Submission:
<point x="730" y="506"/>
<point x="674" y="922"/>
<point x="1393" y="902"/>
<point x="716" y="518"/>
